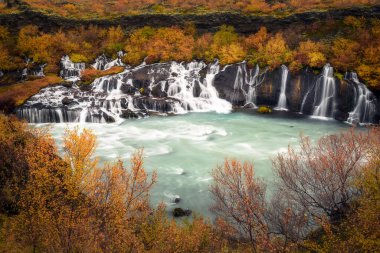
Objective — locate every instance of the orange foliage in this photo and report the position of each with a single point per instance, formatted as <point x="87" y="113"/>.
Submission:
<point x="89" y="75"/>
<point x="120" y="7"/>
<point x="239" y="199"/>
<point x="16" y="94"/>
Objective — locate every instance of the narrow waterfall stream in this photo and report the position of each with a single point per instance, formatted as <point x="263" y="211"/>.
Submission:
<point x="325" y="93"/>
<point x="365" y="107"/>
<point x="282" y="104"/>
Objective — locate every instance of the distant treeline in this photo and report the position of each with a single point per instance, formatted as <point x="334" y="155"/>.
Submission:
<point x="80" y="8"/>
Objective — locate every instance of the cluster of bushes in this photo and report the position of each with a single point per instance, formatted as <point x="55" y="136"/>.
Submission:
<point x="327" y="199"/>
<point x="351" y="45"/>
<point x="119" y="7"/>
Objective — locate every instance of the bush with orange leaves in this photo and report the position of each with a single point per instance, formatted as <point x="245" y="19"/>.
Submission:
<point x="89" y="75"/>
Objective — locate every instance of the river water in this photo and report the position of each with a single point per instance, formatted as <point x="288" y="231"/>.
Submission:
<point x="184" y="148"/>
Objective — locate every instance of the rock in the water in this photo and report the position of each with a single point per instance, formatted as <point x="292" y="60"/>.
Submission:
<point x="128" y="114"/>
<point x="176" y="200"/>
<point x="67" y="101"/>
<point x="179" y="212"/>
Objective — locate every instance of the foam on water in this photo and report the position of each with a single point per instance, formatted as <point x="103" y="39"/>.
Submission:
<point x="182" y="151"/>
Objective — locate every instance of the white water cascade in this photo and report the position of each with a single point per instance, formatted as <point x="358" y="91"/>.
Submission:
<point x="246" y="82"/>
<point x="69" y="70"/>
<point x="365" y="107"/>
<point x="174" y="88"/>
<point x="325" y="93"/>
<point x="184" y="81"/>
<point x="104" y="63"/>
<point x="282" y="104"/>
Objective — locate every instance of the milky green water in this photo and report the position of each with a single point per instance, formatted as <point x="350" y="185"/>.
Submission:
<point x="183" y="149"/>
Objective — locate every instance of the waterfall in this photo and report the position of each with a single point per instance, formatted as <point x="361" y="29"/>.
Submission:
<point x="282" y="104"/>
<point x="69" y="70"/>
<point x="325" y="93"/>
<point x="365" y="107"/>
<point x="246" y="83"/>
<point x="38" y="71"/>
<point x="186" y="78"/>
<point x="162" y="88"/>
<point x="104" y="63"/>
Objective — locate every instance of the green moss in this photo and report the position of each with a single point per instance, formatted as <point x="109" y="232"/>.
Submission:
<point x="340" y="76"/>
<point x="264" y="109"/>
<point x="78" y="58"/>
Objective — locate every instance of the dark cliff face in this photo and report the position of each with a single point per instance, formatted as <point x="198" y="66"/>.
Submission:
<point x="205" y="23"/>
<point x="175" y="88"/>
<point x="305" y="91"/>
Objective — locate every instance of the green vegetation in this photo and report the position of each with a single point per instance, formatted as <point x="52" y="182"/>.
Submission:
<point x="264" y="109"/>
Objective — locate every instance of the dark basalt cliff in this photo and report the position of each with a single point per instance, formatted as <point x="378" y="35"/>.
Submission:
<point x="177" y="88"/>
<point x="205" y="23"/>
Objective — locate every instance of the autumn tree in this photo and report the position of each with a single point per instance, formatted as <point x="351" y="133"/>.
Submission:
<point x="226" y="46"/>
<point x="318" y="177"/>
<point x="345" y="54"/>
<point x="359" y="230"/>
<point x="137" y="45"/>
<point x="114" y="41"/>
<point x="310" y="53"/>
<point x="170" y="44"/>
<point x="273" y="53"/>
<point x="239" y="200"/>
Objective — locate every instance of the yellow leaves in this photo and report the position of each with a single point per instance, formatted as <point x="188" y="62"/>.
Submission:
<point x="231" y="54"/>
<point x="162" y="44"/>
<point x="311" y="54"/>
<point x="78" y="58"/>
<point x="345" y="54"/>
<point x="79" y="148"/>
<point x="274" y="52"/>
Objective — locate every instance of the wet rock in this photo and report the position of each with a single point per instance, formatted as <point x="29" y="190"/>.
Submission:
<point x="158" y="92"/>
<point x="249" y="106"/>
<point x="341" y="116"/>
<point x="67" y="101"/>
<point x="179" y="212"/>
<point x="197" y="89"/>
<point x="128" y="89"/>
<point x="129" y="114"/>
<point x="176" y="200"/>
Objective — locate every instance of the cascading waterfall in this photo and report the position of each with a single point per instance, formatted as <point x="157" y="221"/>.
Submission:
<point x="69" y="70"/>
<point x="104" y="63"/>
<point x="246" y="83"/>
<point x="325" y="93"/>
<point x="365" y="107"/>
<point x="178" y="88"/>
<point x="282" y="104"/>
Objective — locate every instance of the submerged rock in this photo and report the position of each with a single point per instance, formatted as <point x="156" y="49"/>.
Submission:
<point x="179" y="212"/>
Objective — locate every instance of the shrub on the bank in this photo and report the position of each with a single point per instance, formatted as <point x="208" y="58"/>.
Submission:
<point x="264" y="109"/>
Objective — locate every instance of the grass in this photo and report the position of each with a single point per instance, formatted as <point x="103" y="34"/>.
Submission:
<point x="18" y="93"/>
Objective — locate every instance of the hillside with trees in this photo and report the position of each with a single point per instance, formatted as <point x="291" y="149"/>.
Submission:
<point x="98" y="8"/>
<point x="349" y="45"/>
